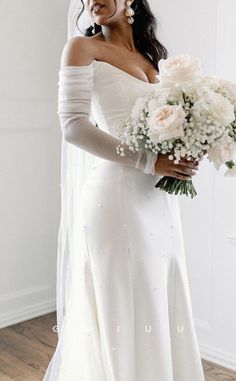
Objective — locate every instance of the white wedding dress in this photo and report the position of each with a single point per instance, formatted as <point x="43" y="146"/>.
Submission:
<point x="135" y="321"/>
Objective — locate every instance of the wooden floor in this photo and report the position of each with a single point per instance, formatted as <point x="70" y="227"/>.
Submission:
<point x="26" y="349"/>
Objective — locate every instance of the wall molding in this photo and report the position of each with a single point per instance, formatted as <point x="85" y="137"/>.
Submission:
<point x="217" y="356"/>
<point x="26" y="304"/>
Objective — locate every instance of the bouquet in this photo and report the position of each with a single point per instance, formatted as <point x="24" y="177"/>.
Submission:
<point x="187" y="115"/>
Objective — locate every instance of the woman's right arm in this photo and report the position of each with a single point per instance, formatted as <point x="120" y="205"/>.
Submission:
<point x="76" y="79"/>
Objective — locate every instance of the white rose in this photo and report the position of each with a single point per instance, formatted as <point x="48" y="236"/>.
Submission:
<point x="222" y="154"/>
<point x="178" y="69"/>
<point x="220" y="108"/>
<point x="166" y="122"/>
<point x="230" y="89"/>
<point x="212" y="82"/>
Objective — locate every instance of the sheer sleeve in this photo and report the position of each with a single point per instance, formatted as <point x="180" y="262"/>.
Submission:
<point x="74" y="108"/>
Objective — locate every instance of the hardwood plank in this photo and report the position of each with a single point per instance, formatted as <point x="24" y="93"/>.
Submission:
<point x="4" y="376"/>
<point x="31" y="353"/>
<point x="26" y="350"/>
<point x="17" y="370"/>
<point x="35" y="330"/>
<point x="48" y="320"/>
<point x="214" y="372"/>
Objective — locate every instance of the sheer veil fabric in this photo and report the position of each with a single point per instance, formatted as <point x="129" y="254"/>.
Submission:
<point x="75" y="168"/>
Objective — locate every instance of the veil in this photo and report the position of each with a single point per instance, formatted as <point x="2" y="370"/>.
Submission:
<point x="75" y="167"/>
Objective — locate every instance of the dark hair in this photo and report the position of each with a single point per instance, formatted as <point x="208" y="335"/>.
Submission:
<point x="144" y="28"/>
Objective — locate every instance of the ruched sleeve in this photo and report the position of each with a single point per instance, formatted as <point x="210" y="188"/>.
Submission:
<point x="74" y="110"/>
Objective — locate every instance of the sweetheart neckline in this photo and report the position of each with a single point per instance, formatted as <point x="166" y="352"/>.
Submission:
<point x="129" y="75"/>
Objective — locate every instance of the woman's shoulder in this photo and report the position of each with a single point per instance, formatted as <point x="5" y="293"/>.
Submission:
<point x="79" y="50"/>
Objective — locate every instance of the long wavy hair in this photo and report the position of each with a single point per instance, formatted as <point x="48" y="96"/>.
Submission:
<point x="144" y="32"/>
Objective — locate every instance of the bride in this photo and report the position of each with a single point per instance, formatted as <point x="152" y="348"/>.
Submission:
<point x="123" y="302"/>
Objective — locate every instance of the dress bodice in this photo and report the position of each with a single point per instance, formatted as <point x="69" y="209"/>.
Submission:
<point x="114" y="94"/>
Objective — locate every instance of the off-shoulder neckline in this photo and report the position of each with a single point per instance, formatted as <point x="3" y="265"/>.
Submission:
<point x="127" y="74"/>
<point x="116" y="68"/>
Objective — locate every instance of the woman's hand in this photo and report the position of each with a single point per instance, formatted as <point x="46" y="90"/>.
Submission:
<point x="183" y="171"/>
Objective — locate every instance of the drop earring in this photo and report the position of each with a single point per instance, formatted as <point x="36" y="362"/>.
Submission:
<point x="129" y="12"/>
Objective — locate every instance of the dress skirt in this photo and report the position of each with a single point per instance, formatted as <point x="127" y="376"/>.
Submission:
<point x="129" y="317"/>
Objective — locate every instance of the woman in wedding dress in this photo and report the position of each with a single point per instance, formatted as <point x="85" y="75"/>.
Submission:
<point x="127" y="310"/>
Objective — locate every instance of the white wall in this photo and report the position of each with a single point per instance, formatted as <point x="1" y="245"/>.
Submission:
<point x="207" y="29"/>
<point x="31" y="38"/>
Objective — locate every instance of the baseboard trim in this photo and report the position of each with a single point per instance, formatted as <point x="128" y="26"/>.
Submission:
<point x="30" y="312"/>
<point x="26" y="304"/>
<point x="217" y="356"/>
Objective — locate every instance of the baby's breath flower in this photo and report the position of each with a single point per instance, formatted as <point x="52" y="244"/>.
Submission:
<point x="210" y="119"/>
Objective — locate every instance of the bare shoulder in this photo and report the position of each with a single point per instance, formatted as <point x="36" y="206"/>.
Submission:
<point x="78" y="51"/>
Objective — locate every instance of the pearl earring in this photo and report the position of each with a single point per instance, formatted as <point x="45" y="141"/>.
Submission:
<point x="129" y="12"/>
